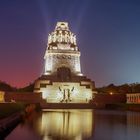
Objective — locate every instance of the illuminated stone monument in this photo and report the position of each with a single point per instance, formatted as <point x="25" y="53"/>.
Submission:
<point x="62" y="81"/>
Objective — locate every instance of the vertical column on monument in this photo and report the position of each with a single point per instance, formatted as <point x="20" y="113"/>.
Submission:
<point x="77" y="64"/>
<point x="48" y="63"/>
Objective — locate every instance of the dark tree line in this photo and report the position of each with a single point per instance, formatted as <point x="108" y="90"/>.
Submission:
<point x="6" y="87"/>
<point x="29" y="88"/>
<point x="125" y="88"/>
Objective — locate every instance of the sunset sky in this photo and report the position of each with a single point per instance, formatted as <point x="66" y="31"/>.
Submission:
<point x="108" y="36"/>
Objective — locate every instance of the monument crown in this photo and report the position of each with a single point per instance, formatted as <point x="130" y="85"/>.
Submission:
<point x="62" y="35"/>
<point x="62" y="26"/>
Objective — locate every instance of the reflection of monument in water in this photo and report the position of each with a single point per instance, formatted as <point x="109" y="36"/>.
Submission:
<point x="62" y="80"/>
<point x="67" y="124"/>
<point x="133" y="123"/>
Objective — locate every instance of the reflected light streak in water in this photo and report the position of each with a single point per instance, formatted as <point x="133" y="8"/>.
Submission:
<point x="66" y="124"/>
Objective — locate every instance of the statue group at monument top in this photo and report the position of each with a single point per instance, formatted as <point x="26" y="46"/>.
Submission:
<point x="62" y="35"/>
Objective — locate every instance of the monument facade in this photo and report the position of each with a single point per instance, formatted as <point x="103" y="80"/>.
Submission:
<point x="62" y="80"/>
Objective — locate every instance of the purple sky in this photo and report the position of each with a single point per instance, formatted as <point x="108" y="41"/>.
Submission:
<point x="108" y="35"/>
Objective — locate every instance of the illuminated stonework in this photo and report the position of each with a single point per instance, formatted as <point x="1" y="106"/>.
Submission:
<point x="2" y="93"/>
<point x="62" y="50"/>
<point x="62" y="81"/>
<point x="66" y="92"/>
<point x="133" y="98"/>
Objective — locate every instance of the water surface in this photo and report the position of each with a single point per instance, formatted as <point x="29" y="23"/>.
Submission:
<point x="79" y="125"/>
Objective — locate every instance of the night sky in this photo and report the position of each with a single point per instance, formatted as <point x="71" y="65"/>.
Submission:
<point x="108" y="36"/>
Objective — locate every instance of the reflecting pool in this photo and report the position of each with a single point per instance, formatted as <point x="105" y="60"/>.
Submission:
<point x="79" y="125"/>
